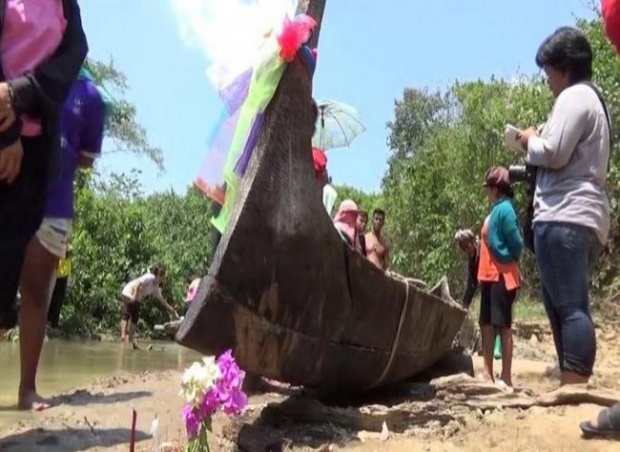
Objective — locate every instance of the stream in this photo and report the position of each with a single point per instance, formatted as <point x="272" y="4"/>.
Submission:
<point x="69" y="365"/>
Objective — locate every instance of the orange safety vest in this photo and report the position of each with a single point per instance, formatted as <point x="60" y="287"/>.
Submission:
<point x="489" y="269"/>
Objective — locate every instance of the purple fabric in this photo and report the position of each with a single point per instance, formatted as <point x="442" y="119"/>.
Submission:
<point x="234" y="94"/>
<point x="211" y="175"/>
<point x="81" y="130"/>
<point x="244" y="159"/>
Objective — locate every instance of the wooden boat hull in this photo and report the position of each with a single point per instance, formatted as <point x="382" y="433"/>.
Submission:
<point x="292" y="300"/>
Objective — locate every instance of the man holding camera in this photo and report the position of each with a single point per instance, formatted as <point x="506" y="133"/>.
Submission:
<point x="570" y="205"/>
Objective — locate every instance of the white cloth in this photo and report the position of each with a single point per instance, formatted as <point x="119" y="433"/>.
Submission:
<point x="53" y="234"/>
<point x="142" y="287"/>
<point x="329" y="198"/>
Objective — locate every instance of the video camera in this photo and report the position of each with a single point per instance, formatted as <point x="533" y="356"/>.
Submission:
<point x="523" y="173"/>
<point x="526" y="174"/>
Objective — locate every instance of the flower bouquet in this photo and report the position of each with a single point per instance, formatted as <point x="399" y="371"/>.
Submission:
<point x="207" y="387"/>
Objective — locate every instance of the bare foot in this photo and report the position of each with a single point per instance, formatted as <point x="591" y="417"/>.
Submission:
<point x="485" y="377"/>
<point x="32" y="401"/>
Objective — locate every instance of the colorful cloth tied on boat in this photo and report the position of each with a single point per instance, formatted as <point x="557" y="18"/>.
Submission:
<point x="320" y="161"/>
<point x="245" y="100"/>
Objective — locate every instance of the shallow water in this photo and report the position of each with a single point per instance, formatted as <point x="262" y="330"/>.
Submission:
<point x="69" y="365"/>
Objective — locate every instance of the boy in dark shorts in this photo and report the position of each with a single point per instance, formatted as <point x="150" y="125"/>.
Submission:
<point x="133" y="292"/>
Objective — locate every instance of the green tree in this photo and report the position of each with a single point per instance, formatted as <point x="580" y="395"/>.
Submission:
<point x="365" y="201"/>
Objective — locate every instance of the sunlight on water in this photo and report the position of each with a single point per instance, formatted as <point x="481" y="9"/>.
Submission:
<point x="69" y="365"/>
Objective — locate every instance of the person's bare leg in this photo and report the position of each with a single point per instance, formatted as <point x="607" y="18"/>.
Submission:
<point x="132" y="331"/>
<point x="35" y="287"/>
<point x="507" y="347"/>
<point x="488" y="339"/>
<point x="124" y="329"/>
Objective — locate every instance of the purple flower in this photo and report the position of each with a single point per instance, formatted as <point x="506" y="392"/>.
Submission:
<point x="228" y="387"/>
<point x="192" y="421"/>
<point x="210" y="403"/>
<point x="225" y="395"/>
<point x="235" y="403"/>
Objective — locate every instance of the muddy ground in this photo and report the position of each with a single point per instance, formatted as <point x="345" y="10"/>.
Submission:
<point x="99" y="417"/>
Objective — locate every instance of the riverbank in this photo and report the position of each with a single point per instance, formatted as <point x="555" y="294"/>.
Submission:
<point x="158" y="333"/>
<point x="98" y="417"/>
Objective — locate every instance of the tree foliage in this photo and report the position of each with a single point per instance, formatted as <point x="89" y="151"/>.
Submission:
<point x="364" y="201"/>
<point x="125" y="133"/>
<point x="118" y="233"/>
<point x="443" y="142"/>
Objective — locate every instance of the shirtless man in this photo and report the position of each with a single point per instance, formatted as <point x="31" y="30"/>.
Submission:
<point x="377" y="248"/>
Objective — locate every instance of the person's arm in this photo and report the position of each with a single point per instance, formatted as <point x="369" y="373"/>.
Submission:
<point x="562" y="133"/>
<point x="505" y="238"/>
<point x="512" y="232"/>
<point x="41" y="92"/>
<point x="472" y="281"/>
<point x="386" y="261"/>
<point x="164" y="303"/>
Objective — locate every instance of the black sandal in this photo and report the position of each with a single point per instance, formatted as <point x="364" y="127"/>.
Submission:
<point x="608" y="425"/>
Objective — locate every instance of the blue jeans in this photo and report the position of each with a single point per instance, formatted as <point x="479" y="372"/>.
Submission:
<point x="566" y="255"/>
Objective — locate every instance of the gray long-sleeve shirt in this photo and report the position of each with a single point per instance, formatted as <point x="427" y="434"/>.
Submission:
<point x="572" y="154"/>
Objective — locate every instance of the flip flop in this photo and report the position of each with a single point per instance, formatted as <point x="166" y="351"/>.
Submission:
<point x="608" y="425"/>
<point x="501" y="384"/>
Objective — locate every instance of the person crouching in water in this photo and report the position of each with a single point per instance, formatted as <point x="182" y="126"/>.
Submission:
<point x="501" y="245"/>
<point x="133" y="292"/>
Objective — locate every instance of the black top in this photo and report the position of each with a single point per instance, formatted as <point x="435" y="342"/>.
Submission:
<point x="472" y="277"/>
<point x="361" y="238"/>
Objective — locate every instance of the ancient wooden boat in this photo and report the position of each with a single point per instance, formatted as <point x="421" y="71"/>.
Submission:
<point x="293" y="301"/>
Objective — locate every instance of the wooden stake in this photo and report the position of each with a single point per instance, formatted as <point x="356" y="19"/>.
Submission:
<point x="315" y="9"/>
<point x="132" y="440"/>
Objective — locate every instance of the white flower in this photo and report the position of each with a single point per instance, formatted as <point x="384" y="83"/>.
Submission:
<point x="210" y="372"/>
<point x="198" y="379"/>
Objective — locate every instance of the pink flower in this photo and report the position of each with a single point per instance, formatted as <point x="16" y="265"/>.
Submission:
<point x="210" y="403"/>
<point x="228" y="387"/>
<point x="224" y="394"/>
<point x="294" y="33"/>
<point x="192" y="421"/>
